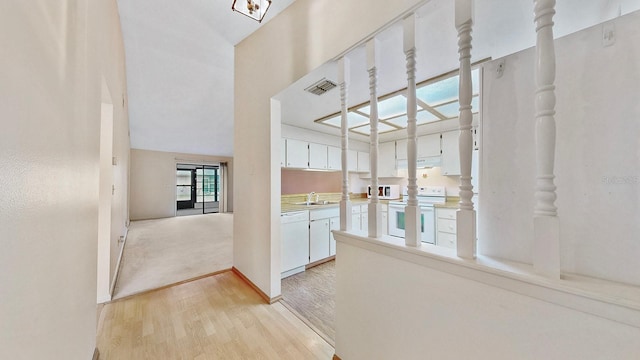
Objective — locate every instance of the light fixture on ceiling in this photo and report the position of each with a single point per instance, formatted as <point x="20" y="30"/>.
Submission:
<point x="255" y="9"/>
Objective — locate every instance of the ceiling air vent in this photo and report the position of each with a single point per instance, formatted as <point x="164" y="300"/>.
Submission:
<point x="321" y="87"/>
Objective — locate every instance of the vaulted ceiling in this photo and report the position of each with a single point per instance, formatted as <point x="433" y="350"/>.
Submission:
<point x="179" y="59"/>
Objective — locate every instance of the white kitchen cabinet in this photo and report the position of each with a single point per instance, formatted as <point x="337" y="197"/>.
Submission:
<point x="387" y="159"/>
<point x="334" y="158"/>
<point x="297" y="154"/>
<point x="355" y="221"/>
<point x="428" y="145"/>
<point x="356" y="218"/>
<point x="364" y="217"/>
<point x="317" y="156"/>
<point x="450" y="153"/>
<point x="352" y="159"/>
<point x="358" y="161"/>
<point x="385" y="219"/>
<point x="446" y="227"/>
<point x="319" y="240"/>
<point x="283" y="152"/>
<point x="401" y="149"/>
<point x="363" y="161"/>
<point x="334" y="224"/>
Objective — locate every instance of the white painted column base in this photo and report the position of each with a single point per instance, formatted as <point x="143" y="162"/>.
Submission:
<point x="466" y="233"/>
<point x="412" y="226"/>
<point x="375" y="220"/>
<point x="546" y="246"/>
<point x="345" y="215"/>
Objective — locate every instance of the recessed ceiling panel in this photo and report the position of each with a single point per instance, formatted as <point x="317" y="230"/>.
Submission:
<point x="452" y="110"/>
<point x="366" y="129"/>
<point x="354" y="120"/>
<point x="393" y="106"/>
<point x="422" y="117"/>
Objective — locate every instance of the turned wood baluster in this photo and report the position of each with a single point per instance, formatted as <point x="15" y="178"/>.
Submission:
<point x="412" y="210"/>
<point x="466" y="215"/>
<point x="345" y="202"/>
<point x="546" y="249"/>
<point x="375" y="212"/>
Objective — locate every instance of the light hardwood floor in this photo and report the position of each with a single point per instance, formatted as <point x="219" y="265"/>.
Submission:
<point x="217" y="317"/>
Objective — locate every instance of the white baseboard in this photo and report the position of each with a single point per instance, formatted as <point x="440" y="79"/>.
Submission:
<point x="115" y="276"/>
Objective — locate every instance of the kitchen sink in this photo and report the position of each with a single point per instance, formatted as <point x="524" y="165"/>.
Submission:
<point x="322" y="202"/>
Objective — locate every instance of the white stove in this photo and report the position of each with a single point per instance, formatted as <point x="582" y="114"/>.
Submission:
<point x="427" y="197"/>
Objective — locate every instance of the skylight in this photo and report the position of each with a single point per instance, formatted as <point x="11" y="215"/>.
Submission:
<point x="437" y="100"/>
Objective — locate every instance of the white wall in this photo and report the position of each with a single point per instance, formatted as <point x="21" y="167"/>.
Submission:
<point x="597" y="154"/>
<point x="153" y="181"/>
<point x="52" y="63"/>
<point x="388" y="308"/>
<point x="295" y="42"/>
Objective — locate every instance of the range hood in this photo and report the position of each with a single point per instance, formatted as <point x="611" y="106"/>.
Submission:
<point x="421" y="163"/>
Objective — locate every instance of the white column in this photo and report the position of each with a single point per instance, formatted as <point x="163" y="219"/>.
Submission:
<point x="412" y="210"/>
<point x="546" y="247"/>
<point x="466" y="215"/>
<point x="375" y="211"/>
<point x="345" y="202"/>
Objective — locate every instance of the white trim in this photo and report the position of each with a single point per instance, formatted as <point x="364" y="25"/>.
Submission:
<point x="605" y="299"/>
<point x="115" y="276"/>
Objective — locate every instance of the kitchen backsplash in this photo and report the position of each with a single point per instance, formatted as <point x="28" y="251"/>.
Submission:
<point x="303" y="182"/>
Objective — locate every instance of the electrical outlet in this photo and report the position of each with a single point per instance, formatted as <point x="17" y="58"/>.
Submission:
<point x="500" y="69"/>
<point x="608" y="34"/>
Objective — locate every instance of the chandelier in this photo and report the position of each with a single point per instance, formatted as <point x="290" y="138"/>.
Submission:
<point x="255" y="9"/>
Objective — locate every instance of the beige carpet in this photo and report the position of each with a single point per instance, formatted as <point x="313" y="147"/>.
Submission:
<point x="166" y="251"/>
<point x="312" y="295"/>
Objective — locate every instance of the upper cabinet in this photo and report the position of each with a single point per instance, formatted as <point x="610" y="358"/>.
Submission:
<point x="387" y="159"/>
<point x="317" y="156"/>
<point x="428" y="145"/>
<point x="334" y="158"/>
<point x="352" y="160"/>
<point x="401" y="149"/>
<point x="450" y="153"/>
<point x="358" y="161"/>
<point x="297" y="154"/>
<point x="283" y="152"/>
<point x="363" y="161"/>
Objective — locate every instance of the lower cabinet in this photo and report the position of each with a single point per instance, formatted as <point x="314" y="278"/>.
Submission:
<point x="446" y="227"/>
<point x="321" y="242"/>
<point x="385" y="219"/>
<point x="334" y="224"/>
<point x="360" y="217"/>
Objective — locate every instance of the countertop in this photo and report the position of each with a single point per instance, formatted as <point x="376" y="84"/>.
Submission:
<point x="289" y="207"/>
<point x="451" y="203"/>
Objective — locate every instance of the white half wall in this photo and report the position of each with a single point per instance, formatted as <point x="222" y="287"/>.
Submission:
<point x="153" y="181"/>
<point x="54" y="55"/>
<point x="388" y="308"/>
<point x="597" y="153"/>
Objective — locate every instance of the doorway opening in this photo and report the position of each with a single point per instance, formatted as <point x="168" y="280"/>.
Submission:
<point x="198" y="189"/>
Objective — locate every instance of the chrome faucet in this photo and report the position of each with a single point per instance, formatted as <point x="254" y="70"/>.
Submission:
<point x="311" y="195"/>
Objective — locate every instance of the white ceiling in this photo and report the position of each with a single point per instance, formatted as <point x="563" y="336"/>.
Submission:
<point x="179" y="58"/>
